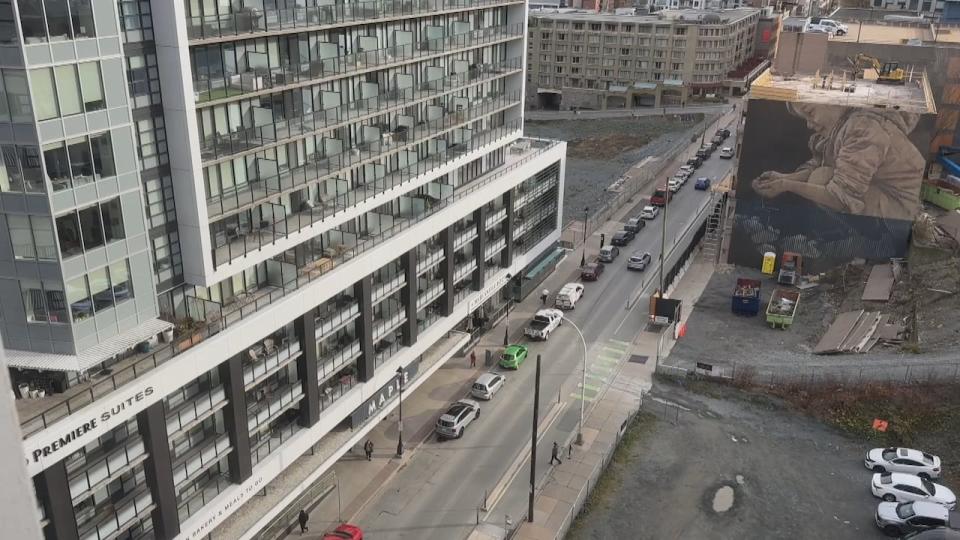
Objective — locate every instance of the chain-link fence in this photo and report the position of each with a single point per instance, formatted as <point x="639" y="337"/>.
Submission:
<point x="819" y="374"/>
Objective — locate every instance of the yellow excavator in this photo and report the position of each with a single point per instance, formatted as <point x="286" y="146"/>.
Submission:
<point x="887" y="72"/>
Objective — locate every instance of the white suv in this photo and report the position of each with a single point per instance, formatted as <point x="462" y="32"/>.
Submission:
<point x="828" y="26"/>
<point x="451" y="424"/>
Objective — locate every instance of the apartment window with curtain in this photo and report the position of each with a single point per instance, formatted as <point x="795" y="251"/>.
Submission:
<point x="67" y="90"/>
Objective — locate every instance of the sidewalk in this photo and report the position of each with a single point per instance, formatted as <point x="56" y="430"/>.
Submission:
<point x="569" y="484"/>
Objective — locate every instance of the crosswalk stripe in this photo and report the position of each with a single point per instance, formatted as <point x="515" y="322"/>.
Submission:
<point x="622" y="343"/>
<point x="610" y="351"/>
<point x="591" y="387"/>
<point x="606" y="361"/>
<point x="588" y="399"/>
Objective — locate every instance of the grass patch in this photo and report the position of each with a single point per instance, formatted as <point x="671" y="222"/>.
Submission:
<point x="610" y="480"/>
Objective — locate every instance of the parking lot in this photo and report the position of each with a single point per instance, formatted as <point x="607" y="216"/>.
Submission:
<point x="717" y="463"/>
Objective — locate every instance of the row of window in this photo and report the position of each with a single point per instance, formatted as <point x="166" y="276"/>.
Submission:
<point x="67" y="90"/>
<point x="80" y="161"/>
<point x="56" y="20"/>
<point x="597" y="27"/>
<point x="98" y="291"/>
<point x="90" y="227"/>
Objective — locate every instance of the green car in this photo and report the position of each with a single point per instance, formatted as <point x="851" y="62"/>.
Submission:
<point x="513" y="356"/>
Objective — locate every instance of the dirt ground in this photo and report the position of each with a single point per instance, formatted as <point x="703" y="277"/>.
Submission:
<point x="719" y="463"/>
<point x="600" y="151"/>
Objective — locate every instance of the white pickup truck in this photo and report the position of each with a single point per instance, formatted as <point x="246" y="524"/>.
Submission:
<point x="544" y="322"/>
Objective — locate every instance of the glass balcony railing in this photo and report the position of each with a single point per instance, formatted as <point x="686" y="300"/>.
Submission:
<point x="187" y="414"/>
<point x="382" y="327"/>
<point x="232" y="84"/>
<point x="334" y="319"/>
<point x="249" y="21"/>
<point x="428" y="258"/>
<point x="465" y="270"/>
<point x="83" y="395"/>
<point x="336" y="165"/>
<point x="241" y="241"/>
<point x="197" y="460"/>
<point x="388" y="287"/>
<point x="106" y="469"/>
<point x="495" y="247"/>
<point x="267" y="363"/>
<point x="333" y="362"/>
<point x="495" y="217"/>
<point x="279" y="434"/>
<point x="433" y="291"/>
<point x="261" y="413"/>
<point x="242" y="139"/>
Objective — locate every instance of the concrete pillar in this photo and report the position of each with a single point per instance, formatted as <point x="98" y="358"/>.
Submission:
<point x="506" y="256"/>
<point x="367" y="362"/>
<point x="158" y="469"/>
<point x="305" y="329"/>
<point x="53" y="492"/>
<point x="447" y="267"/>
<point x="479" y="246"/>
<point x="409" y="295"/>
<point x="235" y="420"/>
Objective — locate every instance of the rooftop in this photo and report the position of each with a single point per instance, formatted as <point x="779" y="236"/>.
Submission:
<point x="914" y="96"/>
<point x="876" y="32"/>
<point x="689" y="16"/>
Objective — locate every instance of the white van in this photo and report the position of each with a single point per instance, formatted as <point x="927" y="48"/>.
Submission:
<point x="569" y="295"/>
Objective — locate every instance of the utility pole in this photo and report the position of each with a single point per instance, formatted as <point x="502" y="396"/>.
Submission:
<point x="586" y="216"/>
<point x="533" y="444"/>
<point x="663" y="234"/>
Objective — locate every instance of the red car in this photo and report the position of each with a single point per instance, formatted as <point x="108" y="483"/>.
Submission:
<point x="660" y="197"/>
<point x="345" y="532"/>
<point x="591" y="272"/>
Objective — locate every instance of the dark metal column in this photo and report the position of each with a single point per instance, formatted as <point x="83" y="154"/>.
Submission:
<point x="479" y="246"/>
<point x="305" y="328"/>
<point x="409" y="294"/>
<point x="235" y="420"/>
<point x="53" y="490"/>
<point x="447" y="267"/>
<point x="506" y="256"/>
<point x="367" y="362"/>
<point x="152" y="424"/>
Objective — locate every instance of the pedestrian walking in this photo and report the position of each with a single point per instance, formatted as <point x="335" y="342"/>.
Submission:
<point x="555" y="454"/>
<point x="569" y="451"/>
<point x="302" y="518"/>
<point x="368" y="449"/>
<point x="543" y="296"/>
<point x="473" y="358"/>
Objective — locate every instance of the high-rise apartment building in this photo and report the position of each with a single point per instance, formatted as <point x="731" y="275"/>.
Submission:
<point x="229" y="230"/>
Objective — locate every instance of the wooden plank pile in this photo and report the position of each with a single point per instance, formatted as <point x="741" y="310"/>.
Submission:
<point x="859" y="331"/>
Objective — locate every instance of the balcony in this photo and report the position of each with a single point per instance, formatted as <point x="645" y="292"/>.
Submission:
<point x="388" y="287"/>
<point x="464" y="270"/>
<point x="382" y="327"/>
<point x="533" y="193"/>
<point x="335" y="319"/>
<point x="427" y="259"/>
<point x="117" y="516"/>
<point x="98" y="473"/>
<point x="302" y="19"/>
<point x="262" y="362"/>
<point x="198" y="460"/>
<point x="336" y="166"/>
<point x="433" y="291"/>
<point x="494" y="248"/>
<point x="272" y="405"/>
<point x="232" y="85"/>
<point x="195" y="411"/>
<point x="495" y="218"/>
<point x="43" y="413"/>
<point x="244" y="139"/>
<point x="331" y="363"/>
<point x="466" y="236"/>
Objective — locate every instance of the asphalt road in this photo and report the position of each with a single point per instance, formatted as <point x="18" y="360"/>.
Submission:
<point x="436" y="494"/>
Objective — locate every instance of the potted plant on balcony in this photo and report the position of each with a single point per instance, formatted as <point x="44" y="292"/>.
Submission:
<point x="186" y="333"/>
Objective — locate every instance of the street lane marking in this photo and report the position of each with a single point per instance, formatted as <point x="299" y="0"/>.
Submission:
<point x="587" y="399"/>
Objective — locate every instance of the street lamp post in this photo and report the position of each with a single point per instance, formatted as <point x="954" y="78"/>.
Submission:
<point x="400" y="410"/>
<point x="583" y="379"/>
<point x="586" y="214"/>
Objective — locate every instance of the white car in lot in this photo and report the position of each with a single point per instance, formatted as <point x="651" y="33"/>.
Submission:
<point x="904" y="460"/>
<point x="674" y="185"/>
<point x="896" y="519"/>
<point x="649" y="212"/>
<point x="451" y="424"/>
<point x="893" y="487"/>
<point x="487" y="385"/>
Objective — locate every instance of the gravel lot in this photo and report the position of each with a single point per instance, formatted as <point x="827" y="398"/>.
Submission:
<point x="735" y="467"/>
<point x="600" y="151"/>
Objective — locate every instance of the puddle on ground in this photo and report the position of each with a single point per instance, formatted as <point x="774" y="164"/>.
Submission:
<point x="723" y="499"/>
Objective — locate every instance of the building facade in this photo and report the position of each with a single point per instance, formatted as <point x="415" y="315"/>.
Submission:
<point x="596" y="61"/>
<point x="228" y="233"/>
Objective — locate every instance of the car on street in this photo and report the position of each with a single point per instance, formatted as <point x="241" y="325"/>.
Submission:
<point x="688" y="170"/>
<point x="702" y="184"/>
<point x="695" y="162"/>
<point x="451" y="424"/>
<point x="674" y="185"/>
<point x="660" y="197"/>
<point x="592" y="271"/>
<point x="345" y="531"/>
<point x="543" y="323"/>
<point x="905" y="460"/>
<point x="487" y="385"/>
<point x="608" y="253"/>
<point x="568" y="296"/>
<point x="704" y="153"/>
<point x="901" y="487"/>
<point x="635" y="224"/>
<point x="723" y="133"/>
<point x="622" y="238"/>
<point x="895" y="519"/>
<point x="649" y="212"/>
<point x="638" y="261"/>
<point x="726" y="153"/>
<point x="513" y="356"/>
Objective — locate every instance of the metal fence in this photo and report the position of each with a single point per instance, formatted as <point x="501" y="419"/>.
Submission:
<point x="945" y="372"/>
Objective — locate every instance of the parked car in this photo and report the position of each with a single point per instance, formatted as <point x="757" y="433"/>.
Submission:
<point x="513" y="356"/>
<point x="830" y="26"/>
<point x="695" y="162"/>
<point x="635" y="224"/>
<point x="660" y="197"/>
<point x="568" y="296"/>
<point x="726" y="153"/>
<point x="901" y="487"/>
<point x="609" y="253"/>
<point x="905" y="460"/>
<point x="716" y="141"/>
<point x="704" y="153"/>
<point x="345" y="532"/>
<point x="461" y="414"/>
<point x="487" y="385"/>
<point x="900" y="518"/>
<point x="543" y="323"/>
<point x="638" y="261"/>
<point x="622" y="238"/>
<point x="723" y="133"/>
<point x="674" y="185"/>
<point x="703" y="183"/>
<point x="592" y="271"/>
<point x="649" y="212"/>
